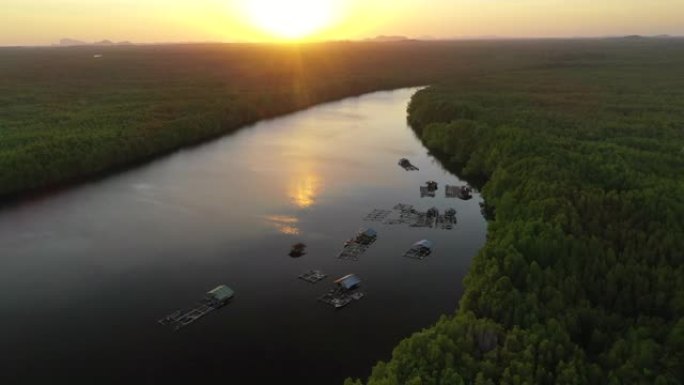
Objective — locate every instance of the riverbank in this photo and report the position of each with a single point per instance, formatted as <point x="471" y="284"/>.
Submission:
<point x="580" y="277"/>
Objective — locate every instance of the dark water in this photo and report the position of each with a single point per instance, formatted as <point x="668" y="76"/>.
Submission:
<point x="86" y="273"/>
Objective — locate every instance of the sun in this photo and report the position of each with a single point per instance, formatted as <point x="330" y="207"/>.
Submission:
<point x="291" y="19"/>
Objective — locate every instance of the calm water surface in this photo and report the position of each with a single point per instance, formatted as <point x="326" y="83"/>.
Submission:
<point x="85" y="274"/>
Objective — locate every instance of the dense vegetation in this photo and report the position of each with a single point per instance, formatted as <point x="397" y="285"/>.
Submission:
<point x="581" y="144"/>
<point x="66" y="114"/>
<point x="581" y="280"/>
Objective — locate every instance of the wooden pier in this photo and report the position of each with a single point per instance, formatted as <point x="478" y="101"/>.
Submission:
<point x="352" y="251"/>
<point x="180" y="319"/>
<point x="377" y="215"/>
<point x="214" y="299"/>
<point x="408" y="215"/>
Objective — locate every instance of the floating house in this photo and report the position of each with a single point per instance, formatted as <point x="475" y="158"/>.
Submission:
<point x="419" y="250"/>
<point x="366" y="236"/>
<point x="214" y="299"/>
<point x="431" y="185"/>
<point x="349" y="282"/>
<point x="462" y="192"/>
<point x="423" y="245"/>
<point x="220" y="295"/>
<point x="344" y="292"/>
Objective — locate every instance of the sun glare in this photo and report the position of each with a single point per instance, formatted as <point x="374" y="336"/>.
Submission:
<point x="291" y="19"/>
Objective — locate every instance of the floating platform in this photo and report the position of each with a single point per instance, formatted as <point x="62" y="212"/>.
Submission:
<point x="426" y="192"/>
<point x="313" y="276"/>
<point x="377" y="215"/>
<point x="408" y="215"/>
<point x="180" y="319"/>
<point x="447" y="221"/>
<point x="356" y="246"/>
<point x="352" y="252"/>
<point x="336" y="298"/>
<point x="357" y="296"/>
<point x="403" y="207"/>
<point x="461" y="192"/>
<point x="214" y="299"/>
<point x="422" y="220"/>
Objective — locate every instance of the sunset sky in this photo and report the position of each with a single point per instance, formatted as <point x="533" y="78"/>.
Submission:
<point x="39" y="22"/>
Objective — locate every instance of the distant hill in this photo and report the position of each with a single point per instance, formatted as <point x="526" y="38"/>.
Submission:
<point x="642" y="37"/>
<point x="71" y="42"/>
<point x="391" y="38"/>
<point x="66" y="42"/>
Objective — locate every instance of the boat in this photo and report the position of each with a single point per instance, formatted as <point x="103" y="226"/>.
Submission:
<point x="406" y="165"/>
<point x="298" y="250"/>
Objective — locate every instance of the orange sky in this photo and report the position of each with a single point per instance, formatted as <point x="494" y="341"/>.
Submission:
<point x="37" y="22"/>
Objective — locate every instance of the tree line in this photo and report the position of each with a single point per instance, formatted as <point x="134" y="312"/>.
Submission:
<point x="581" y="280"/>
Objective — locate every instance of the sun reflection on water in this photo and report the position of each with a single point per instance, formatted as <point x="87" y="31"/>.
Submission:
<point x="304" y="191"/>
<point x="285" y="224"/>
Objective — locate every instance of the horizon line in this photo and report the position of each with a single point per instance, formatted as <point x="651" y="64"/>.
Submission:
<point x="378" y="39"/>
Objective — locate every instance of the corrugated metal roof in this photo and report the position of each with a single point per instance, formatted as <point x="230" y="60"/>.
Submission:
<point x="369" y="232"/>
<point x="221" y="293"/>
<point x="424" y="243"/>
<point x="349" y="281"/>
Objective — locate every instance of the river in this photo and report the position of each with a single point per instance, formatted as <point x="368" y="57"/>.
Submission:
<point x="85" y="273"/>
